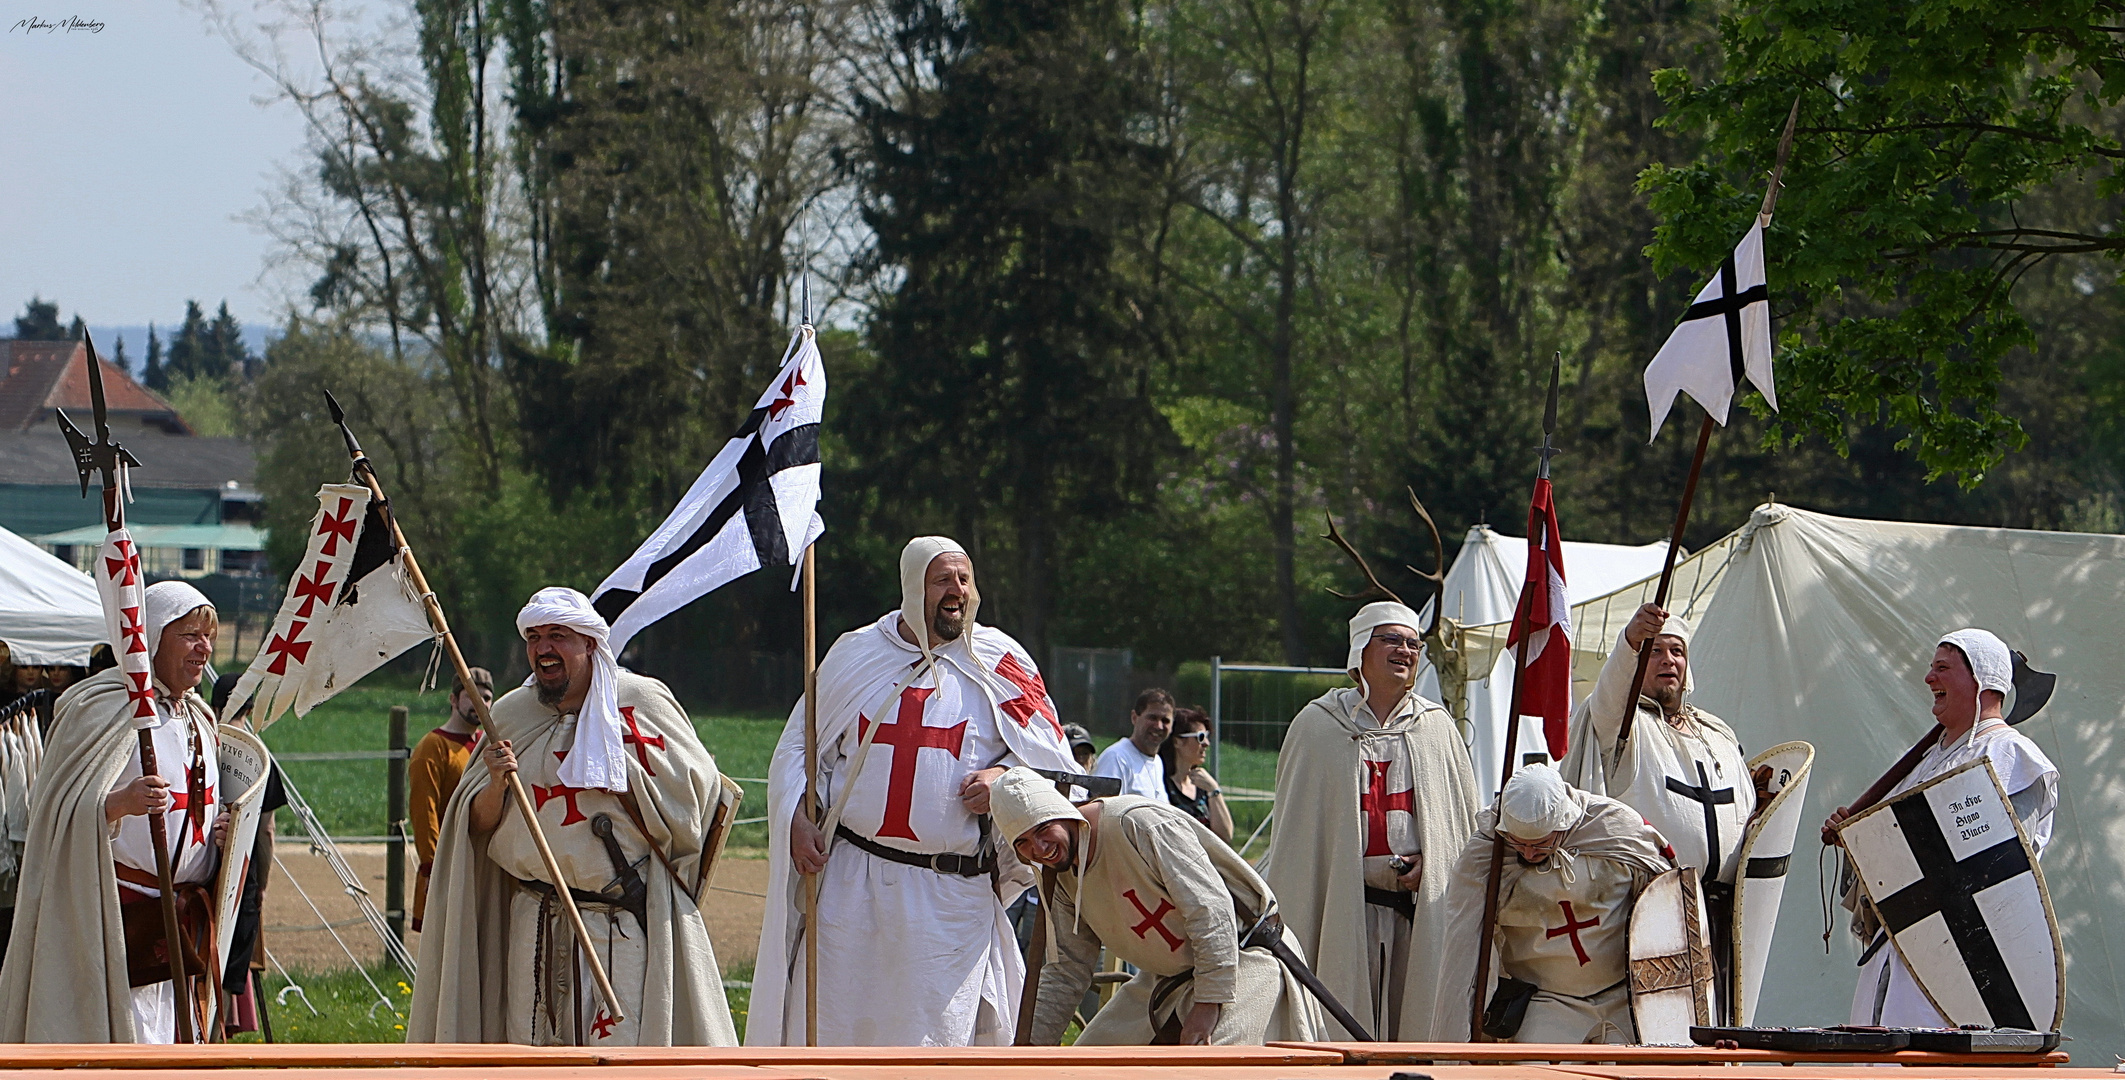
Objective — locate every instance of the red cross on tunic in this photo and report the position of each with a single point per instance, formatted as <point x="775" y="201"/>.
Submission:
<point x="1154" y="920"/>
<point x="314" y="589"/>
<point x="1572" y="927"/>
<point x="642" y="742"/>
<point x="603" y="1024"/>
<point x="127" y="563"/>
<point x="561" y="791"/>
<point x="288" y="647"/>
<point x="909" y="738"/>
<point x="335" y="527"/>
<point x="1033" y="698"/>
<point x="182" y="800"/>
<point x="1376" y="801"/>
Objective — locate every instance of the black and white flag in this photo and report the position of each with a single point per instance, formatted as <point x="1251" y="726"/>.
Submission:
<point x="756" y="505"/>
<point x="1723" y="338"/>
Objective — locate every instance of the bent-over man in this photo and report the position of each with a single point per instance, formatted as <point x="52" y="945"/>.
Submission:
<point x="919" y="713"/>
<point x="1971" y="673"/>
<point x="1373" y="780"/>
<point x="1575" y="863"/>
<point x="88" y="866"/>
<point x="1164" y="894"/>
<point x="625" y="794"/>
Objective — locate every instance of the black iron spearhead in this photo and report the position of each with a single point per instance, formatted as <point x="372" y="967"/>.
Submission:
<point x="102" y="455"/>
<point x="339" y="416"/>
<point x="1548" y="449"/>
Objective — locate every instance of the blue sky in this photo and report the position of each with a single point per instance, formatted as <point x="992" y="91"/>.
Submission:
<point x="130" y="155"/>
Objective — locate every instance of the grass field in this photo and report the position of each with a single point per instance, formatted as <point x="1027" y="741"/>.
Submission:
<point x="349" y="795"/>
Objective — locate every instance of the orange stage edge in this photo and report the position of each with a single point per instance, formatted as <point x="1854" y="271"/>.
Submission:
<point x="1284" y="1061"/>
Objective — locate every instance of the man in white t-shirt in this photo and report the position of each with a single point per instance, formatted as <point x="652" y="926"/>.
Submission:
<point x="1134" y="761"/>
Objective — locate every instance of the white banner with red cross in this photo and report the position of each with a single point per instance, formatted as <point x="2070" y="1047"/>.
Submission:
<point x="275" y="676"/>
<point x="125" y="621"/>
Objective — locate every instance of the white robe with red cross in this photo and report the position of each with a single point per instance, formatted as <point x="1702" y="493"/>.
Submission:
<point x="908" y="956"/>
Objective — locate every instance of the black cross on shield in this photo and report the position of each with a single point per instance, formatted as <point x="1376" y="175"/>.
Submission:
<point x="1702" y="792"/>
<point x="1950" y="887"/>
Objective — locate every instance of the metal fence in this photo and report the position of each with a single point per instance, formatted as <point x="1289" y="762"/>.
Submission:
<point x="1252" y="704"/>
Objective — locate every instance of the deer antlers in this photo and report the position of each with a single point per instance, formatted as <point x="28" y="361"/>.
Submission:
<point x="1377" y="591"/>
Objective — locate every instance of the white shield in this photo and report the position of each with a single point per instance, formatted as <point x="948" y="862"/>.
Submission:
<point x="245" y="764"/>
<point x="1671" y="960"/>
<point x="1760" y="881"/>
<point x="1951" y="873"/>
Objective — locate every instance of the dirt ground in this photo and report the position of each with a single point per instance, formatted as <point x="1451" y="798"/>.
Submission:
<point x="298" y="937"/>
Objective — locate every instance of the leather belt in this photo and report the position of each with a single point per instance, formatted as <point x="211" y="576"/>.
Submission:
<point x="1401" y="903"/>
<point x="132" y="875"/>
<point x="944" y="862"/>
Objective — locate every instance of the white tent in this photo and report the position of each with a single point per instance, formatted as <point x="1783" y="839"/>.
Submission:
<point x="49" y="612"/>
<point x="1481" y="589"/>
<point x="1821" y="630"/>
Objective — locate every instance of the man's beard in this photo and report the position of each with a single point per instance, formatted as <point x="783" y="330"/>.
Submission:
<point x="948" y="627"/>
<point x="1669" y="697"/>
<point x="552" y="695"/>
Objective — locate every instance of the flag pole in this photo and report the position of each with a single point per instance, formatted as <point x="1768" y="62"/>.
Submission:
<point x="366" y="473"/>
<point x="811" y="793"/>
<point x="1521" y="617"/>
<point x="1704" y="438"/>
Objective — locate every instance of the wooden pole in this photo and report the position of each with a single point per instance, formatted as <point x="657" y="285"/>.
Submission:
<point x="1667" y="577"/>
<point x="1497" y="843"/>
<point x="395" y="825"/>
<point x="811" y="795"/>
<point x="441" y="625"/>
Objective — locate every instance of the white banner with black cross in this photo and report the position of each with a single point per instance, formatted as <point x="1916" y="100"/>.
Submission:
<point x="1959" y="891"/>
<point x="1724" y="337"/>
<point x="754" y="506"/>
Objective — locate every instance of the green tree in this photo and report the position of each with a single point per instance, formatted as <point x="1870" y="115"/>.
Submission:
<point x="152" y="375"/>
<point x="1010" y="393"/>
<point x="39" y="321"/>
<point x="194" y="354"/>
<point x="225" y="342"/>
<point x="1927" y="133"/>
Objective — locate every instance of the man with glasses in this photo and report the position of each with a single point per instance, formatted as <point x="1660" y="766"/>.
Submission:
<point x="1573" y="867"/>
<point x="1373" y="784"/>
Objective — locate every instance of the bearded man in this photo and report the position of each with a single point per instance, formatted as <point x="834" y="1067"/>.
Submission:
<point x="1682" y="767"/>
<point x="1971" y="673"/>
<point x="1574" y="865"/>
<point x="1371" y="782"/>
<point x="626" y="796"/>
<point x="1147" y="881"/>
<point x="89" y="861"/>
<point x="919" y="713"/>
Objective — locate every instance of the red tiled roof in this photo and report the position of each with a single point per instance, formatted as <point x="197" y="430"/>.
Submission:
<point x="39" y="376"/>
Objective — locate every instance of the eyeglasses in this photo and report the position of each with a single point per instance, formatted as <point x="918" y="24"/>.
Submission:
<point x="1397" y="641"/>
<point x="1197" y="736"/>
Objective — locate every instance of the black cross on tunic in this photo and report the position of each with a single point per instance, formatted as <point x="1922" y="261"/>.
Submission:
<point x="1727" y="308"/>
<point x="1950" y="887"/>
<point x="1702" y="792"/>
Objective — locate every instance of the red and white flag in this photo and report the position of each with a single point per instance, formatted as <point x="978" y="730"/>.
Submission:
<point x="1546" y="686"/>
<point x="125" y="621"/>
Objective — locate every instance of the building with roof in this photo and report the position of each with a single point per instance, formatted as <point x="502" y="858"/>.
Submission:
<point x="195" y="509"/>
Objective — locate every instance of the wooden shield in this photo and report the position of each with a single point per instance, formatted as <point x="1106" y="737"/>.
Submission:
<point x="720" y="821"/>
<point x="1760" y="882"/>
<point x="1671" y="960"/>
<point x="1951" y="873"/>
<point x="245" y="765"/>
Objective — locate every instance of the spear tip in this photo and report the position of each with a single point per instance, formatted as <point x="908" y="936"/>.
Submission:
<point x="1549" y="409"/>
<point x="339" y="415"/>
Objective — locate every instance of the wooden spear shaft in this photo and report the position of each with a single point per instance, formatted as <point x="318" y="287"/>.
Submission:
<point x="1497" y="843"/>
<point x="1667" y="577"/>
<point x="441" y="625"/>
<point x="811" y="797"/>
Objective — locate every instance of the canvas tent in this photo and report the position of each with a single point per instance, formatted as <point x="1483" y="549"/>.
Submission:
<point x="49" y="612"/>
<point x="1481" y="588"/>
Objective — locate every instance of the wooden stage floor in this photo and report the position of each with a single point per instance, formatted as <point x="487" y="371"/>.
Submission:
<point x="1284" y="1061"/>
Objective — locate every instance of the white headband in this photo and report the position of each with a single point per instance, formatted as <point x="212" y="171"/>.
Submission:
<point x="596" y="759"/>
<point x="1371" y="617"/>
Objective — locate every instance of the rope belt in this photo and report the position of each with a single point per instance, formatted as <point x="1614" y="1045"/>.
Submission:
<point x="944" y="862"/>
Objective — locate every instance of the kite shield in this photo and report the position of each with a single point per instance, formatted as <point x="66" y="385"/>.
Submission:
<point x="1958" y="888"/>
<point x="245" y="765"/>
<point x="1671" y="959"/>
<point x="1759" y="884"/>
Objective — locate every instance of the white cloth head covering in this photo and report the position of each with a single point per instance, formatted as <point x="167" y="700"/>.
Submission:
<point x="1380" y="613"/>
<point x="915" y="560"/>
<point x="1989" y="659"/>
<point x="1022" y="800"/>
<point x="1677" y="626"/>
<point x="596" y="759"/>
<point x="1535" y="803"/>
<point x="167" y="602"/>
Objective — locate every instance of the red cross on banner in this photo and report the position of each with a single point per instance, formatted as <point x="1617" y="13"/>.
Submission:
<point x="1572" y="927"/>
<point x="788" y="397"/>
<point x="908" y="738"/>
<point x="1154" y="920"/>
<point x="603" y="1024"/>
<point x="1033" y="697"/>
<point x="314" y="589"/>
<point x="127" y="563"/>
<point x="133" y="630"/>
<point x="182" y="800"/>
<point x="544" y="795"/>
<point x="139" y="695"/>
<point x="286" y="647"/>
<point x="641" y="742"/>
<point x="335" y="527"/>
<point x="1376" y="801"/>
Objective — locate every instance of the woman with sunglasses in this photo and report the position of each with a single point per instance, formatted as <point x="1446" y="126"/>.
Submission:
<point x="1188" y="784"/>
